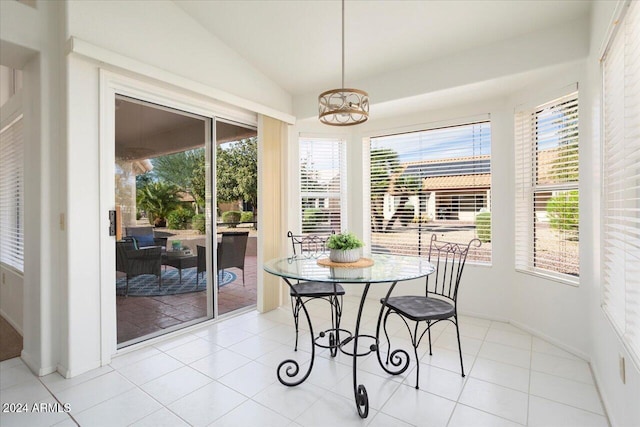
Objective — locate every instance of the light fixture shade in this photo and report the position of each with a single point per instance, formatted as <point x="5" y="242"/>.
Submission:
<point x="343" y="107"/>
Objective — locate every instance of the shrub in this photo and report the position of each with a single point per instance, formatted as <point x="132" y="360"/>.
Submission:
<point x="483" y="226"/>
<point x="246" y="217"/>
<point x="344" y="241"/>
<point x="232" y="218"/>
<point x="179" y="218"/>
<point x="197" y="223"/>
<point x="313" y="219"/>
<point x="562" y="211"/>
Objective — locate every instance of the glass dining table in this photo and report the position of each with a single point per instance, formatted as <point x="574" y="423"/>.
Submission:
<point x="384" y="269"/>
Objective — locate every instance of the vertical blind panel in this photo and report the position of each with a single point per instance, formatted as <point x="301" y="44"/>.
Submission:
<point x="11" y="195"/>
<point x="321" y="185"/>
<point x="433" y="181"/>
<point x="621" y="181"/>
<point x="547" y="198"/>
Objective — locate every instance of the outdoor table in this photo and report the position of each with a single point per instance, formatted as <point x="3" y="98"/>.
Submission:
<point x="179" y="261"/>
<point x="386" y="268"/>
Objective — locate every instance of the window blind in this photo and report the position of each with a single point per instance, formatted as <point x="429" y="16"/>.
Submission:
<point x="621" y="181"/>
<point x="11" y="195"/>
<point x="322" y="163"/>
<point x="547" y="220"/>
<point x="432" y="181"/>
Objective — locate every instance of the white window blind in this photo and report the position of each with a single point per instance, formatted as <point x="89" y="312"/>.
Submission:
<point x="432" y="181"/>
<point x="11" y="195"/>
<point x="322" y="173"/>
<point x="547" y="221"/>
<point x="621" y="180"/>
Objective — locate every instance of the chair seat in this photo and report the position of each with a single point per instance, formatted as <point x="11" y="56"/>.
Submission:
<point x="419" y="308"/>
<point x="317" y="289"/>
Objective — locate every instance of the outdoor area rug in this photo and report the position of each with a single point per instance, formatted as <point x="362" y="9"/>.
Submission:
<point x="147" y="285"/>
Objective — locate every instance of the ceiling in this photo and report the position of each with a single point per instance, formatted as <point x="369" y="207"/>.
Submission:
<point x="297" y="42"/>
<point x="144" y="130"/>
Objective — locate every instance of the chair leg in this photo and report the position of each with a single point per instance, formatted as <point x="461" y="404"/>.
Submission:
<point x="243" y="282"/>
<point x="429" y="332"/>
<point x="415" y="341"/>
<point x="126" y="292"/>
<point x="296" y="312"/>
<point x="459" y="347"/>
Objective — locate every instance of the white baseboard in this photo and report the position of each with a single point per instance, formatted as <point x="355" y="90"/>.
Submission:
<point x="582" y="355"/>
<point x="35" y="368"/>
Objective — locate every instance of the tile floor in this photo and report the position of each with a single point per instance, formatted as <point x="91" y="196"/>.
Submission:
<point x="224" y="375"/>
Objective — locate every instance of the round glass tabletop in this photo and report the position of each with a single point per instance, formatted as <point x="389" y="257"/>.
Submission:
<point x="385" y="268"/>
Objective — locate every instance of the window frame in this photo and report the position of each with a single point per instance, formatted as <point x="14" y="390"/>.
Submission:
<point x="478" y="119"/>
<point x="340" y="196"/>
<point x="527" y="186"/>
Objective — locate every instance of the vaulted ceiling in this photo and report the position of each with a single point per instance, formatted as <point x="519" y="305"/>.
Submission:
<point x="297" y="42"/>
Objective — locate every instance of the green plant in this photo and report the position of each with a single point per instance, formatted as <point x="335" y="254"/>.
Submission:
<point x="198" y="223"/>
<point x="246" y="217"/>
<point x="483" y="226"/>
<point x="344" y="241"/>
<point x="158" y="199"/>
<point x="232" y="218"/>
<point x="179" y="218"/>
<point x="562" y="210"/>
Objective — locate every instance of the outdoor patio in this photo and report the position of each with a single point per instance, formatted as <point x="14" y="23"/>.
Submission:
<point x="139" y="316"/>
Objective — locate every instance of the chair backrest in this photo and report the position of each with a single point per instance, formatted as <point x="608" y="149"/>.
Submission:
<point x="449" y="259"/>
<point x="232" y="249"/>
<point x="138" y="231"/>
<point x="121" y="254"/>
<point x="202" y="258"/>
<point x="308" y="245"/>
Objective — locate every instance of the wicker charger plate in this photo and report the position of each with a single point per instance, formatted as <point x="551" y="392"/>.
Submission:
<point x="361" y="263"/>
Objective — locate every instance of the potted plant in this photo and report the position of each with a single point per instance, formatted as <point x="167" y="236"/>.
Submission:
<point x="344" y="247"/>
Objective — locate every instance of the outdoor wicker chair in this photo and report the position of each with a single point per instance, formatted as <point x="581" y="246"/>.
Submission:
<point x="136" y="262"/>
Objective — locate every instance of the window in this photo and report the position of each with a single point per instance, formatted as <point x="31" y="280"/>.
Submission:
<point x="621" y="181"/>
<point x="432" y="181"/>
<point x="547" y="222"/>
<point x="11" y="195"/>
<point x="321" y="185"/>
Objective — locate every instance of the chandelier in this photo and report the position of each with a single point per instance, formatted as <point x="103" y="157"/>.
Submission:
<point x="343" y="107"/>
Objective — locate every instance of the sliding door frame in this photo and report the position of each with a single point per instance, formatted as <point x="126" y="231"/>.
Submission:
<point x="113" y="84"/>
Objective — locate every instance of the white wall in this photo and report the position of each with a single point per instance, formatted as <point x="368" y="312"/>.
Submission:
<point x="31" y="41"/>
<point x="11" y="297"/>
<point x="160" y="34"/>
<point x="171" y="42"/>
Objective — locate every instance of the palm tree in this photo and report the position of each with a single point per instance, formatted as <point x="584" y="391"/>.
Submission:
<point x="158" y="199"/>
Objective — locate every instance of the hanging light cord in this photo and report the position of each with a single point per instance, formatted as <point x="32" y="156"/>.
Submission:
<point x="342" y="44"/>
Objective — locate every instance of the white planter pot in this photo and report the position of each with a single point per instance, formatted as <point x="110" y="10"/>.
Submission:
<point x="347" y="273"/>
<point x="349" y="255"/>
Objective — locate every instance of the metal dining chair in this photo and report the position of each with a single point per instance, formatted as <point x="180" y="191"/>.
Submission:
<point x="315" y="246"/>
<point x="439" y="302"/>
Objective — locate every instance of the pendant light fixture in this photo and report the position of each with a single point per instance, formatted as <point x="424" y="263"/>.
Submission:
<point x="343" y="107"/>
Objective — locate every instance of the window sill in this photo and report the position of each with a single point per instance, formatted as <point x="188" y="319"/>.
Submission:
<point x="550" y="276"/>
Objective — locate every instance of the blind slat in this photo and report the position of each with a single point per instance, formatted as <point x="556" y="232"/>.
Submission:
<point x="12" y="195"/>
